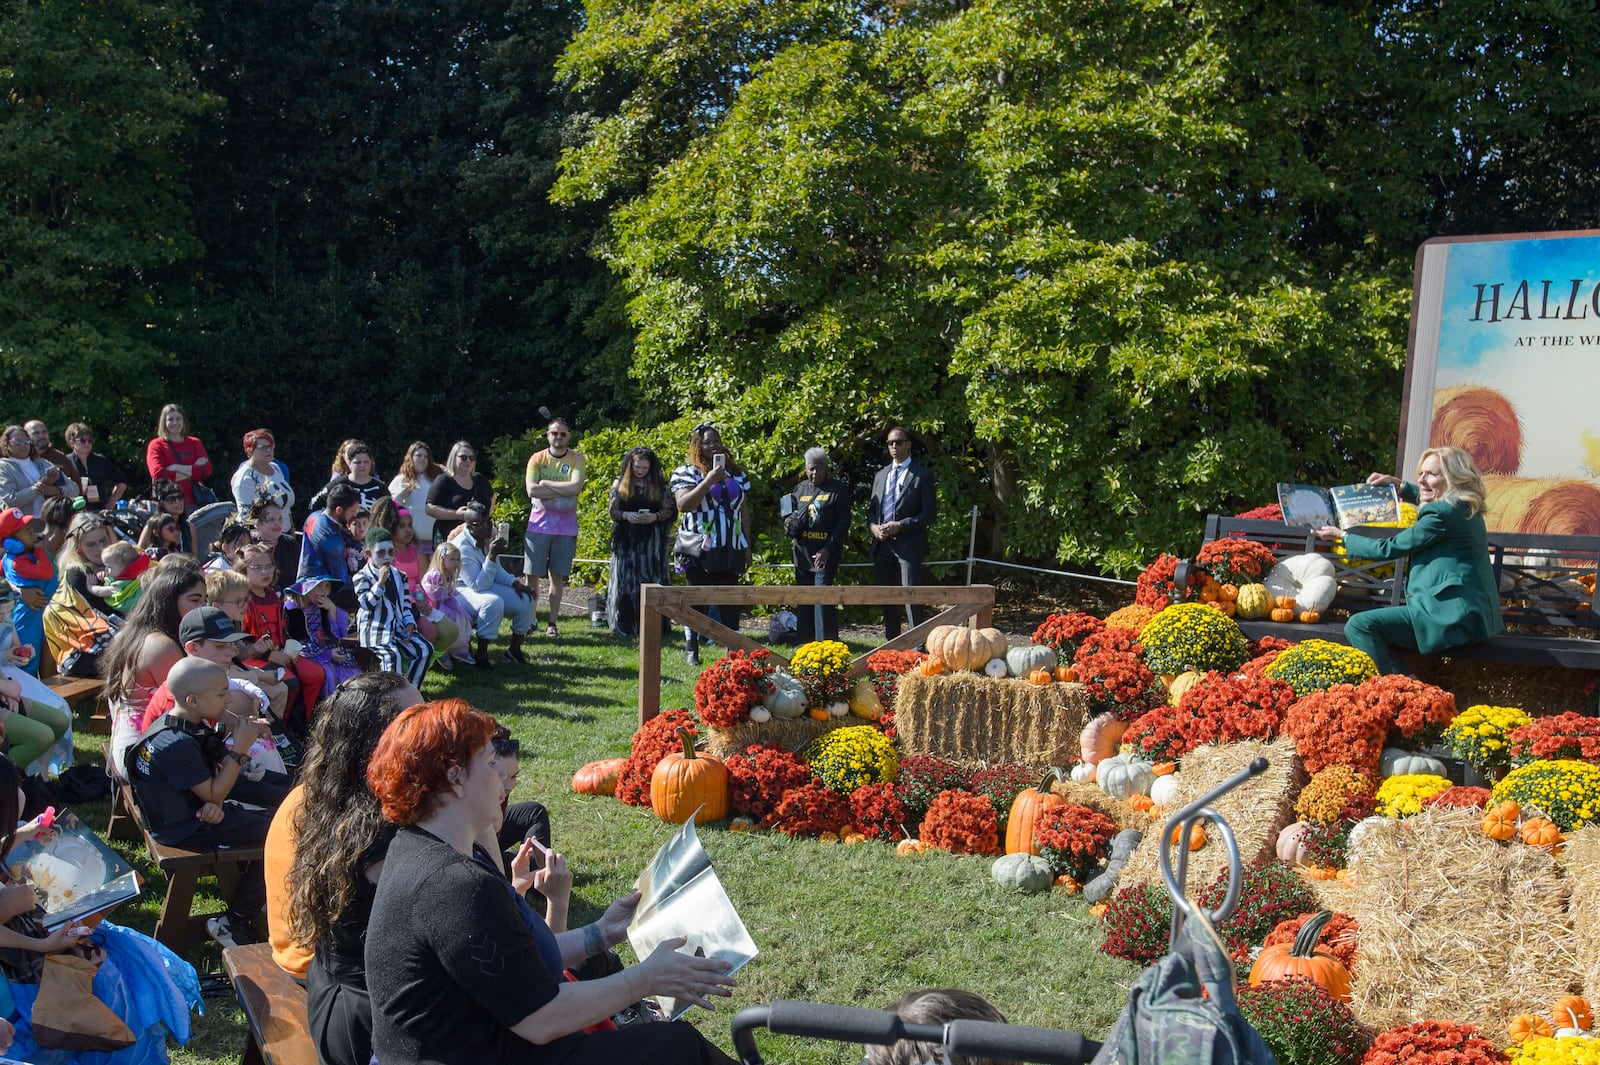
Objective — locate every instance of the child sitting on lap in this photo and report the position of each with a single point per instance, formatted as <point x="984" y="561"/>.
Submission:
<point x="124" y="564"/>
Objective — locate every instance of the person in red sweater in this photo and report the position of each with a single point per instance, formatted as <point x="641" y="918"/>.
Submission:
<point x="175" y="456"/>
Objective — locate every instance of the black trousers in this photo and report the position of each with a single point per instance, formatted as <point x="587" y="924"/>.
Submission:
<point x="730" y="615"/>
<point x="899" y="564"/>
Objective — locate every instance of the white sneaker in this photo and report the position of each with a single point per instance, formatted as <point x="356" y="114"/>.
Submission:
<point x="217" y="928"/>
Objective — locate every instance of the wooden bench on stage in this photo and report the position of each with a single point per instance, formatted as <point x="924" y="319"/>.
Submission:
<point x="1547" y="592"/>
<point x="274" y="1004"/>
<point x="681" y="604"/>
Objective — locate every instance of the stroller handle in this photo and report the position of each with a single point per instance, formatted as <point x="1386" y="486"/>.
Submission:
<point x="882" y="1027"/>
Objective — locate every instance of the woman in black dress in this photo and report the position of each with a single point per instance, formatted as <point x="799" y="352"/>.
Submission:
<point x="642" y="515"/>
<point x="461" y="484"/>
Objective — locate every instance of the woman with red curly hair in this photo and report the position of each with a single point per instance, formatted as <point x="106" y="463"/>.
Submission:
<point x="460" y="974"/>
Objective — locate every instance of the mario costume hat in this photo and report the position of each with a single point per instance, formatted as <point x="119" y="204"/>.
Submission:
<point x="11" y="520"/>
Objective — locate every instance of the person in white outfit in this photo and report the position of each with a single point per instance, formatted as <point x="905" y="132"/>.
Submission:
<point x="486" y="585"/>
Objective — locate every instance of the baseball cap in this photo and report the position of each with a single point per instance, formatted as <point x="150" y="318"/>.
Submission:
<point x="208" y="623"/>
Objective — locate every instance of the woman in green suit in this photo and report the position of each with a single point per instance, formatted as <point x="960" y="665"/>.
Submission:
<point x="1451" y="596"/>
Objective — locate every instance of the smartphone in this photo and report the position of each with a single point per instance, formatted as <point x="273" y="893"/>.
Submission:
<point x="502" y="531"/>
<point x="643" y="512"/>
<point x="539" y="848"/>
<point x="719" y="461"/>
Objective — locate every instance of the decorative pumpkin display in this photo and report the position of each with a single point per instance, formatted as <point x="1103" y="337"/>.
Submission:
<point x="760" y="715"/>
<point x="1022" y="872"/>
<point x="1041" y="677"/>
<point x="1020" y="661"/>
<point x="788" y="696"/>
<point x="685" y="782"/>
<point x="1310" y="617"/>
<point x="817" y="713"/>
<point x="932" y="666"/>
<point x="1180" y="684"/>
<point x="1526" y="1026"/>
<point x="1025" y="810"/>
<point x="1291" y="846"/>
<point x="1282" y="613"/>
<point x="1164" y="769"/>
<point x="995" y="668"/>
<point x="1226" y="607"/>
<point x="864" y="701"/>
<point x="1541" y="832"/>
<point x="1572" y="1011"/>
<point x="1301" y="958"/>
<point x="1066" y="674"/>
<point x="960" y="647"/>
<point x="1122" y="775"/>
<point x="1307" y="579"/>
<point x="908" y="847"/>
<point x="1083" y="773"/>
<point x="1197" y="836"/>
<point x="1397" y="763"/>
<point x="1253" y="602"/>
<point x="1164" y="789"/>
<point x="1141" y="803"/>
<point x="1500" y="822"/>
<point x="1100" y="737"/>
<point x="598" y="778"/>
<point x="1103" y="886"/>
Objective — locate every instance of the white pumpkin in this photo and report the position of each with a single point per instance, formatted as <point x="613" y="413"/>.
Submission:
<point x="1397" y="763"/>
<point x="1029" y="656"/>
<point x="996" y="668"/>
<point x="838" y="709"/>
<point x="1309" y="578"/>
<point x="788" y="695"/>
<point x="760" y="714"/>
<point x="1122" y="776"/>
<point x="1083" y="773"/>
<point x="1164" y="791"/>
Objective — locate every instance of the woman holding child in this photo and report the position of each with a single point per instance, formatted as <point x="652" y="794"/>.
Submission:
<point x="82" y="617"/>
<point x="444" y="906"/>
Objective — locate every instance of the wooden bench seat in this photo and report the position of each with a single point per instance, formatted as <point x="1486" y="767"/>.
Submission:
<point x="1547" y="592"/>
<point x="274" y="1005"/>
<point x="177" y="925"/>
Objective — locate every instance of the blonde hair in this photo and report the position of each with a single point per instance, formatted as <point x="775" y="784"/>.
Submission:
<point x="436" y="563"/>
<point x="1462" y="482"/>
<point x="161" y="422"/>
<point x="117" y="557"/>
<point x="219" y="582"/>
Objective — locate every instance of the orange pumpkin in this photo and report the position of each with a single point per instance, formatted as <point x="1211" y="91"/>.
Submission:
<point x="1572" y="1011"/>
<point x="1284" y="601"/>
<point x="1282" y="613"/>
<point x="1310" y="617"/>
<point x="1100" y="738"/>
<point x="1099" y="909"/>
<point x="1164" y="769"/>
<point x="686" y="782"/>
<point x="1066" y="674"/>
<point x="1041" y="677"/>
<point x="1500" y="822"/>
<point x="1142" y="803"/>
<point x="818" y="713"/>
<point x="1208" y="594"/>
<point x="1069" y="885"/>
<point x="907" y="847"/>
<point x="1226" y="607"/>
<point x="931" y="666"/>
<point x="1025" y="811"/>
<point x="598" y="778"/>
<point x="1228" y="593"/>
<point x="1302" y="958"/>
<point x="1197" y="836"/>
<point x="1541" y="832"/>
<point x="1525" y="1026"/>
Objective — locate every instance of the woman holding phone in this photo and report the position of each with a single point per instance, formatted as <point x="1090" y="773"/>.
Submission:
<point x="713" y="543"/>
<point x="642" y="513"/>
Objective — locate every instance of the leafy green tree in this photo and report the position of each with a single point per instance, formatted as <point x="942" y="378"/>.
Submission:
<point x="97" y="108"/>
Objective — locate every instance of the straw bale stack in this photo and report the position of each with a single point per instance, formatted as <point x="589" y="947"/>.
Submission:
<point x="1256" y="811"/>
<point x="981" y="721"/>
<point x="789" y="733"/>
<point x="1455" y="926"/>
<point x="1580" y="862"/>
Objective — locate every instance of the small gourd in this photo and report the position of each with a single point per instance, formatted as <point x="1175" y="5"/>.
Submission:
<point x="1500" y="821"/>
<point x="838" y="709"/>
<point x="1030" y="656"/>
<point x="1253" y="602"/>
<point x="1180" y="684"/>
<point x="1022" y="872"/>
<point x="1397" y="763"/>
<point x="1572" y="1011"/>
<point x="1040" y="678"/>
<point x="760" y="714"/>
<point x="787" y="698"/>
<point x="995" y="669"/>
<point x="1083" y="773"/>
<point x="1283" y="613"/>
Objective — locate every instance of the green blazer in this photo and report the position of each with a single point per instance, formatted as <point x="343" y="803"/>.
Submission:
<point x="1451" y="594"/>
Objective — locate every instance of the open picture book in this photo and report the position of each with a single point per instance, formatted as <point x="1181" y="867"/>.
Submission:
<point x="1346" y="505"/>
<point x="73" y="871"/>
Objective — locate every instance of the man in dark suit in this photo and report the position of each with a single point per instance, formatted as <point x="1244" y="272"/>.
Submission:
<point x="902" y="508"/>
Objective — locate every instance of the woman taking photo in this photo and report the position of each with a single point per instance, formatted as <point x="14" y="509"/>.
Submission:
<point x="642" y="513"/>
<point x="177" y="457"/>
<point x="450" y="494"/>
<point x="146" y="647"/>
<point x="352" y="465"/>
<point x="1451" y="595"/>
<point x="26" y="480"/>
<point x="410" y="491"/>
<point x="259" y="476"/>
<point x="712" y="545"/>
<point x="444" y="908"/>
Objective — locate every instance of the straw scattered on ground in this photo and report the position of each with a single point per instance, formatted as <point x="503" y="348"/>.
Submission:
<point x="1580" y="863"/>
<point x="1456" y="926"/>
<point x="981" y="721"/>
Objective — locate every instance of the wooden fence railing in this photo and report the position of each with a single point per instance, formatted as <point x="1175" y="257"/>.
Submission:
<point x="680" y="604"/>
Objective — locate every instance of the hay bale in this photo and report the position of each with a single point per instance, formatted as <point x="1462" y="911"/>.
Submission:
<point x="1540" y="690"/>
<point x="1455" y="926"/>
<point x="789" y="733"/>
<point x="1256" y="811"/>
<point x="980" y="721"/>
<point x="1580" y="863"/>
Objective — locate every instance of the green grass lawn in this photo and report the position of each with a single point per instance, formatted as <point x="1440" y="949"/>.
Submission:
<point x="849" y="925"/>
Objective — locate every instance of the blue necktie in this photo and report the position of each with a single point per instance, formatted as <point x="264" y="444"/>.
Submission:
<point x="891" y="496"/>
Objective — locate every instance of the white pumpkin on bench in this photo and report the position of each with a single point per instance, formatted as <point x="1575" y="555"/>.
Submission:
<point x="1308" y="579"/>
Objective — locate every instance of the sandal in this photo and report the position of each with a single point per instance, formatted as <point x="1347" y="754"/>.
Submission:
<point x="550" y="630"/>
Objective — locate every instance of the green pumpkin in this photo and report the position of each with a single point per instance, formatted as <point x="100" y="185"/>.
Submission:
<point x="1122" y="776"/>
<point x="788" y="696"/>
<point x="1397" y="763"/>
<point x="1254" y="601"/>
<point x="1022" y="872"/>
<point x="1030" y="656"/>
